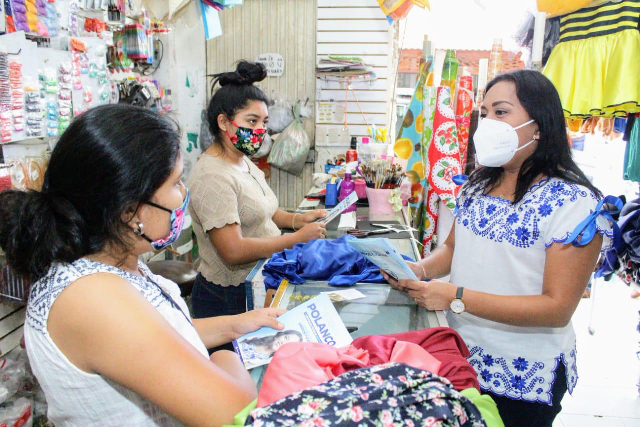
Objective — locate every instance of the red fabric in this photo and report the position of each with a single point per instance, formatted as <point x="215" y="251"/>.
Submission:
<point x="442" y="343"/>
<point x="5" y="182"/>
<point x="298" y="366"/>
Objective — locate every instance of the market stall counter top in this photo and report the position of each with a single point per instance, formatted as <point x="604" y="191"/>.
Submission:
<point x="384" y="310"/>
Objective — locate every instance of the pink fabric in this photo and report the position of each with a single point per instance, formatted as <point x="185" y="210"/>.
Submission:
<point x="298" y="366"/>
<point x="415" y="356"/>
<point x="445" y="344"/>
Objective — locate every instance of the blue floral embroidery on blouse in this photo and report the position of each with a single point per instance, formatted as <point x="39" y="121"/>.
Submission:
<point x="519" y="224"/>
<point x="523" y="378"/>
<point x="520" y="364"/>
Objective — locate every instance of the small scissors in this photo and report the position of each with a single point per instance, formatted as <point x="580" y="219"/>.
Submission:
<point x="364" y="233"/>
<point x="392" y="227"/>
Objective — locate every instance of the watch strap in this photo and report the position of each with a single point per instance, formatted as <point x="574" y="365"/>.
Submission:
<point x="459" y="292"/>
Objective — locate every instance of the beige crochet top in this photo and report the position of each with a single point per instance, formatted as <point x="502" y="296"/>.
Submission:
<point x="223" y="194"/>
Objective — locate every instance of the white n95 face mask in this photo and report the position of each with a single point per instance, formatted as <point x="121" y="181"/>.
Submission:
<point x="496" y="142"/>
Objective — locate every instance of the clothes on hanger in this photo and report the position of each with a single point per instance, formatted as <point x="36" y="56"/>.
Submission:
<point x="632" y="151"/>
<point x="594" y="67"/>
<point x="388" y="394"/>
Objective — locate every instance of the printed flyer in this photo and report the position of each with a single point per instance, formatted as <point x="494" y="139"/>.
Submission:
<point x="313" y="321"/>
<point x="382" y="254"/>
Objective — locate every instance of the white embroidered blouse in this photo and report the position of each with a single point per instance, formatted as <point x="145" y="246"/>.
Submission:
<point x="500" y="248"/>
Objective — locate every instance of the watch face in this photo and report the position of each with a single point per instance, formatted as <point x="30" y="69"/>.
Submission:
<point x="457" y="306"/>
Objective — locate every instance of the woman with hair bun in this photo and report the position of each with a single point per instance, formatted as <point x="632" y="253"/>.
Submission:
<point x="235" y="214"/>
<point x="111" y="343"/>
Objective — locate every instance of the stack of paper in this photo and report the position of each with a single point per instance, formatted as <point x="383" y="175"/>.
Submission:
<point x="335" y="67"/>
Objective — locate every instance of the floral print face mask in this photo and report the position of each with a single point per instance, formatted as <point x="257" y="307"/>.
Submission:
<point x="247" y="140"/>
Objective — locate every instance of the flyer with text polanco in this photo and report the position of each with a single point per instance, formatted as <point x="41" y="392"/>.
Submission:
<point x="313" y="321"/>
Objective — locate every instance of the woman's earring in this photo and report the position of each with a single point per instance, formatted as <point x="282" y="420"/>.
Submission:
<point x="140" y="230"/>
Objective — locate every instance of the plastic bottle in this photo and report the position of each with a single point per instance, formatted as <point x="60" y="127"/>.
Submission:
<point x="352" y="154"/>
<point x="450" y="71"/>
<point x="364" y="150"/>
<point x="495" y="59"/>
<point x="347" y="187"/>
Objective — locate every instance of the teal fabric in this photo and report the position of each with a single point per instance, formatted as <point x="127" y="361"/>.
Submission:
<point x="632" y="155"/>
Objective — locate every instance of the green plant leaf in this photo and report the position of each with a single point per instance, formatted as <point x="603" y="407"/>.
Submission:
<point x="441" y="174"/>
<point x="445" y="164"/>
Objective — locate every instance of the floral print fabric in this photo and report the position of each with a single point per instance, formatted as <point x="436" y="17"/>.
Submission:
<point x="390" y="394"/>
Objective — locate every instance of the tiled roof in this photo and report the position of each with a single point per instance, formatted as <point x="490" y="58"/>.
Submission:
<point x="410" y="60"/>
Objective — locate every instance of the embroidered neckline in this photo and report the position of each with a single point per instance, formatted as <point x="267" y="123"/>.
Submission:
<point x="531" y="189"/>
<point x="500" y="220"/>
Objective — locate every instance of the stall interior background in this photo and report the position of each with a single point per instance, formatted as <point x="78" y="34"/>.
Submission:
<point x="344" y="70"/>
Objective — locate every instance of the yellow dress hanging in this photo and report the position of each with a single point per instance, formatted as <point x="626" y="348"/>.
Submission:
<point x="596" y="65"/>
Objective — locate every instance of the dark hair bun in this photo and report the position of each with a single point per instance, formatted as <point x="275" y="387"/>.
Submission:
<point x="247" y="73"/>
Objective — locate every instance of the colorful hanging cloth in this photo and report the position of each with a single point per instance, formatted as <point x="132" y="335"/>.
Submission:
<point x="443" y="163"/>
<point x="409" y="143"/>
<point x="595" y="65"/>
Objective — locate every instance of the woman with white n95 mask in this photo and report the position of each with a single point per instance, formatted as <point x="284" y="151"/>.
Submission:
<point x="517" y="268"/>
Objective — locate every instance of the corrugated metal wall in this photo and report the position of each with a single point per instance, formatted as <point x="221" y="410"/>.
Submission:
<point x="287" y="27"/>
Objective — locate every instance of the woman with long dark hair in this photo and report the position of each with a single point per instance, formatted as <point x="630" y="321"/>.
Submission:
<point x="110" y="342"/>
<point x="235" y="213"/>
<point x="515" y="278"/>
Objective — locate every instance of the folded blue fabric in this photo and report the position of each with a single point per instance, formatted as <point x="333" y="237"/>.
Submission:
<point x="321" y="260"/>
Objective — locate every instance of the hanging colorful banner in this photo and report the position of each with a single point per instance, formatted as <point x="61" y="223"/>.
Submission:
<point x="409" y="142"/>
<point x="464" y="106"/>
<point x="444" y="164"/>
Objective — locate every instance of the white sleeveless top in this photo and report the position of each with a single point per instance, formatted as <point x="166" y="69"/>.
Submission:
<point x="500" y="248"/>
<point x="77" y="398"/>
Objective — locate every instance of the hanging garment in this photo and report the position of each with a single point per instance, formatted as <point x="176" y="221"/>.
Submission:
<point x="388" y="394"/>
<point x="589" y="125"/>
<point x="486" y="405"/>
<point x="464" y="107"/>
<point x="619" y="124"/>
<point x="409" y="143"/>
<point x="605" y="126"/>
<point x="595" y="65"/>
<point x="632" y="152"/>
<point x="443" y="164"/>
<point x="443" y="343"/>
<point x="325" y="260"/>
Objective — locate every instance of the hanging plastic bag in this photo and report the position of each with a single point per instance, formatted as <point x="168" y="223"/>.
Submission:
<point x="280" y="116"/>
<point x="265" y="148"/>
<point x="290" y="150"/>
<point x="206" y="139"/>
